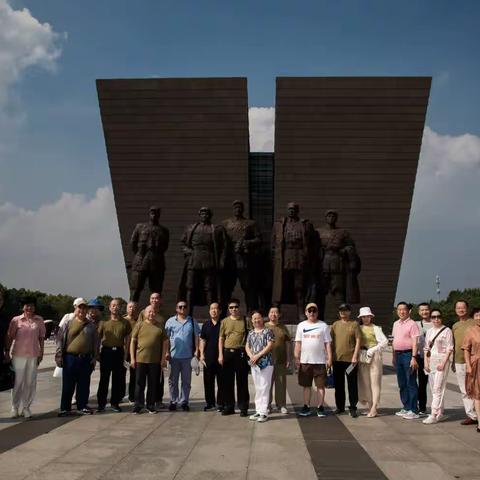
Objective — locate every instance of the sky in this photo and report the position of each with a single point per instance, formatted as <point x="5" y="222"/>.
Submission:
<point x="58" y="229"/>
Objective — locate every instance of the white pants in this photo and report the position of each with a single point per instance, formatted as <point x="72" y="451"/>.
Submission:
<point x="438" y="382"/>
<point x="468" y="403"/>
<point x="25" y="386"/>
<point x="370" y="381"/>
<point x="262" y="379"/>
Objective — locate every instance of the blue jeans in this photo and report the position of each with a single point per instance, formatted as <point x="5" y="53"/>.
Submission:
<point x="180" y="367"/>
<point x="407" y="381"/>
<point x="77" y="370"/>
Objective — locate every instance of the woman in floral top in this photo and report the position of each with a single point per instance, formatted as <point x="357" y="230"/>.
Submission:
<point x="438" y="352"/>
<point x="259" y="350"/>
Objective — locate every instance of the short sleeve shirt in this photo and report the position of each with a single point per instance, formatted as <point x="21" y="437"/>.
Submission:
<point x="404" y="331"/>
<point x="459" y="330"/>
<point x="313" y="337"/>
<point x="424" y="327"/>
<point x="181" y="337"/>
<point x="209" y="334"/>
<point x="282" y="336"/>
<point x="344" y="337"/>
<point x="257" y="341"/>
<point x="232" y="330"/>
<point x="149" y="338"/>
<point x="113" y="333"/>
<point x="27" y="334"/>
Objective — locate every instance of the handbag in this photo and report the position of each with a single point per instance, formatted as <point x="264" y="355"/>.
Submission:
<point x="429" y="353"/>
<point x="364" y="358"/>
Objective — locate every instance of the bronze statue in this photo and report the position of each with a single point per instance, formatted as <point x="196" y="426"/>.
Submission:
<point x="149" y="243"/>
<point x="244" y="241"/>
<point x="204" y="247"/>
<point x="293" y="249"/>
<point x="340" y="262"/>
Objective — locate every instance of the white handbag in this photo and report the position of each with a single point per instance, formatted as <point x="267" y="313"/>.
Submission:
<point x="364" y="358"/>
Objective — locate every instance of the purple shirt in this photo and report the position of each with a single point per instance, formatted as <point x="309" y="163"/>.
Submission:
<point x="28" y="335"/>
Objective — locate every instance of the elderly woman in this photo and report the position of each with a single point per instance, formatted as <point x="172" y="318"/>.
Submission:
<point x="27" y="333"/>
<point x="438" y="352"/>
<point x="281" y="355"/>
<point x="373" y="341"/>
<point x="471" y="347"/>
<point x="259" y="350"/>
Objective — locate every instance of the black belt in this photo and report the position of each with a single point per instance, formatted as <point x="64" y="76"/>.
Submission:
<point x="404" y="351"/>
<point x="233" y="350"/>
<point x="113" y="349"/>
<point x="80" y="355"/>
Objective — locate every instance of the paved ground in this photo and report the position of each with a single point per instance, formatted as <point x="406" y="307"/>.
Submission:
<point x="198" y="445"/>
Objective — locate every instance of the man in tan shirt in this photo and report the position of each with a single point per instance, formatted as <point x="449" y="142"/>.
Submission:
<point x="156" y="302"/>
<point x="113" y="334"/>
<point x="233" y="358"/>
<point x="77" y="351"/>
<point x="458" y="366"/>
<point x="148" y="348"/>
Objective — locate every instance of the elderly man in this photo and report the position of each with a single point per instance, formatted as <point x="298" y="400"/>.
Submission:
<point x="313" y="356"/>
<point x="156" y="302"/>
<point x="182" y="332"/>
<point x="459" y="329"/>
<point x="77" y="350"/>
<point x="405" y="347"/>
<point x="95" y="310"/>
<point x="114" y="334"/>
<point x="148" y="348"/>
<point x="131" y="317"/>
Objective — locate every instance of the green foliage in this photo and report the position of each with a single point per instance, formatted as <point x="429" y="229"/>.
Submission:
<point x="49" y="306"/>
<point x="447" y="306"/>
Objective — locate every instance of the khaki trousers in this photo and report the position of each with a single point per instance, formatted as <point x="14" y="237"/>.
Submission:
<point x="370" y="381"/>
<point x="279" y="381"/>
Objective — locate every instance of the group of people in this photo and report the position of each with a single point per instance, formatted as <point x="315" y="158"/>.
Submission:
<point x="146" y="342"/>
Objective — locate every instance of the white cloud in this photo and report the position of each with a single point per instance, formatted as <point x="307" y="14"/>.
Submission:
<point x="25" y="42"/>
<point x="262" y="128"/>
<point x="442" y="154"/>
<point x="69" y="246"/>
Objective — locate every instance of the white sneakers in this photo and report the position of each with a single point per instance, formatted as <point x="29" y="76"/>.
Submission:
<point x="401" y="413"/>
<point x="14" y="413"/>
<point x="430" y="420"/>
<point x="284" y="410"/>
<point x="257" y="417"/>
<point x="411" y="415"/>
<point x="27" y="413"/>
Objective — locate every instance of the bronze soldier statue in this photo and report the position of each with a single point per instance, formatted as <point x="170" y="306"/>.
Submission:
<point x="149" y="243"/>
<point x="244" y="241"/>
<point x="340" y="262"/>
<point x="204" y="247"/>
<point x="293" y="250"/>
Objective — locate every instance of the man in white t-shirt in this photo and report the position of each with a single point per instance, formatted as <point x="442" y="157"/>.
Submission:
<point x="313" y="355"/>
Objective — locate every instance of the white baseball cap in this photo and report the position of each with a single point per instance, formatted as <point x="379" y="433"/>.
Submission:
<point x="79" y="301"/>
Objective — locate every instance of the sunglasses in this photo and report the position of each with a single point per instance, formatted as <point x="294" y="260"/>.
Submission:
<point x="312" y="310"/>
<point x="233" y="307"/>
<point x="436" y="316"/>
<point x="182" y="306"/>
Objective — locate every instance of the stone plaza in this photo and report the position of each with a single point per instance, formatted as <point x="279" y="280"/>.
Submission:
<point x="198" y="445"/>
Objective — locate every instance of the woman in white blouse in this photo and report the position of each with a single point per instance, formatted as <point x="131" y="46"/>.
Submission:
<point x="370" y="368"/>
<point x="438" y="351"/>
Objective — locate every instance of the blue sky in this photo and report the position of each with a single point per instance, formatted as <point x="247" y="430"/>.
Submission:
<point x="54" y="142"/>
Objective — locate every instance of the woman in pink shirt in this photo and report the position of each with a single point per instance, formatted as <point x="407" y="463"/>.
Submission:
<point x="27" y="333"/>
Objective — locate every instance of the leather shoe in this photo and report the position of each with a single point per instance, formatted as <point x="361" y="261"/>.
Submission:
<point x="469" y="421"/>
<point x="228" y="412"/>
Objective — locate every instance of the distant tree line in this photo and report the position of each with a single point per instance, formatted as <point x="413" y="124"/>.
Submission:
<point x="49" y="306"/>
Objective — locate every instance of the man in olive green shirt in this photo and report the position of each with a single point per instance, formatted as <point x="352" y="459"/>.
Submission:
<point x="156" y="302"/>
<point x="346" y="338"/>
<point x="113" y="334"/>
<point x="148" y="348"/>
<point x="281" y="357"/>
<point x="233" y="358"/>
<point x="77" y="350"/>
<point x="458" y="366"/>
<point x="131" y="317"/>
